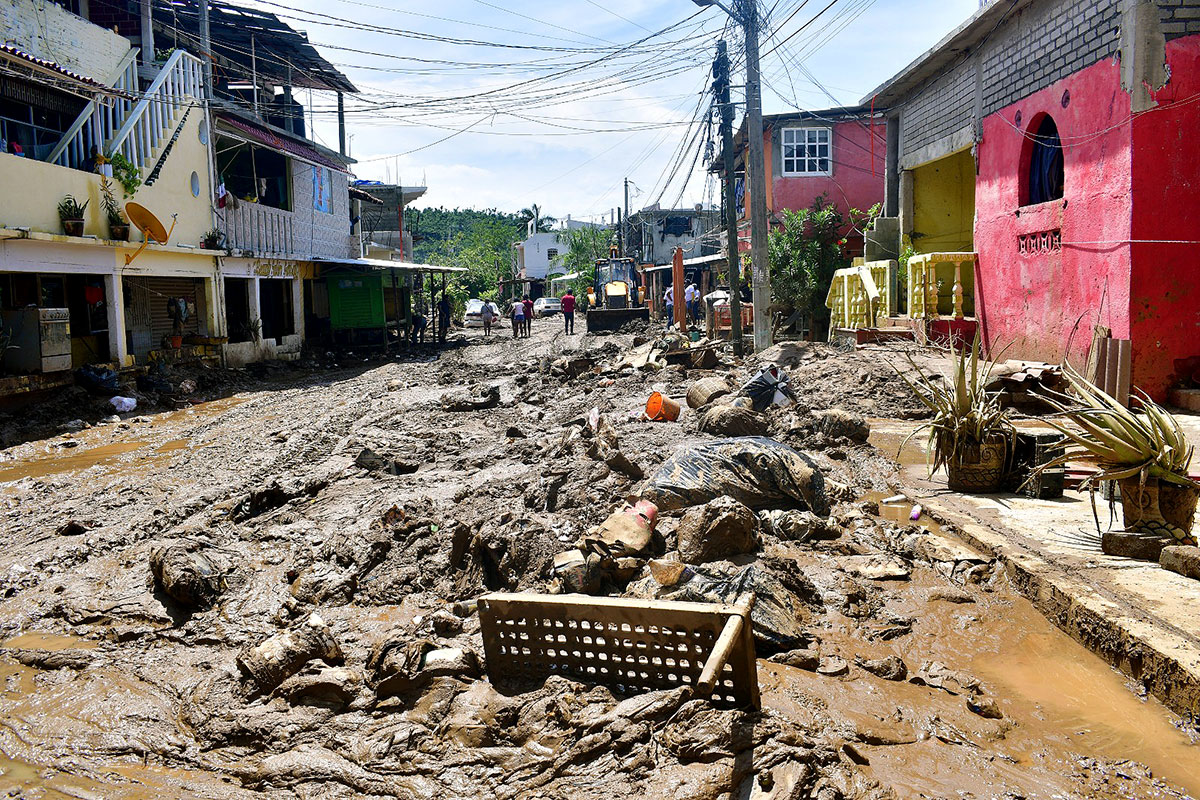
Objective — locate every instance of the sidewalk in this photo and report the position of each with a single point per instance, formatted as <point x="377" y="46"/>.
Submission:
<point x="1141" y="618"/>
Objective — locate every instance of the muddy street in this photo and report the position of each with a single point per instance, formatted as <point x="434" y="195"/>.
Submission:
<point x="272" y="594"/>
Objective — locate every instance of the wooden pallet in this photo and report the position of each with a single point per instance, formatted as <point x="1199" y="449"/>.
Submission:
<point x="629" y="645"/>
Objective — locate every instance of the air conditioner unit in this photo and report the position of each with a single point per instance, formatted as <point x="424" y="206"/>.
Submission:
<point x="39" y="339"/>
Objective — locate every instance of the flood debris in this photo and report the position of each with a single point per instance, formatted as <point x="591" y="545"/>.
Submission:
<point x="717" y="530"/>
<point x="278" y="657"/>
<point x="188" y="574"/>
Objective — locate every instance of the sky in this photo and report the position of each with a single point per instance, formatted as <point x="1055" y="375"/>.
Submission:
<point x="507" y="103"/>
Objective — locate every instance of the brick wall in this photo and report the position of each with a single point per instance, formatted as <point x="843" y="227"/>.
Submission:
<point x="941" y="107"/>
<point x="315" y="233"/>
<point x="45" y="30"/>
<point x="1180" y="17"/>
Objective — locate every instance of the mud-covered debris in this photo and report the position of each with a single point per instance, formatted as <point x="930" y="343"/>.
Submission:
<point x="838" y="423"/>
<point x="188" y="575"/>
<point x="73" y="658"/>
<point x="801" y="658"/>
<point x="575" y="574"/>
<point x="757" y="471"/>
<point x="330" y="687"/>
<point x="706" y="390"/>
<point x="833" y="666"/>
<point x="876" y="567"/>
<point x="399" y="665"/>
<point x="74" y="527"/>
<point x="699" y="732"/>
<point x="603" y="445"/>
<point x="985" y="707"/>
<point x="372" y="461"/>
<point x="940" y="676"/>
<point x="629" y="531"/>
<point x="471" y="401"/>
<point x="668" y="573"/>
<point x="732" y="420"/>
<point x="717" y="530"/>
<point x="798" y="526"/>
<point x="890" y="668"/>
<point x="280" y="656"/>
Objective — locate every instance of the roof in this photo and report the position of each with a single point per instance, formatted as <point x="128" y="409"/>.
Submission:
<point x="366" y="264"/>
<point x="956" y="45"/>
<point x="60" y="77"/>
<point x="276" y="139"/>
<point x="359" y="194"/>
<point x="281" y="53"/>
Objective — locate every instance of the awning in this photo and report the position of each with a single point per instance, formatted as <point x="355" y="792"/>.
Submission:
<point x="260" y="135"/>
<point x="23" y="64"/>
<point x="366" y="264"/>
<point x="569" y="277"/>
<point x="702" y="260"/>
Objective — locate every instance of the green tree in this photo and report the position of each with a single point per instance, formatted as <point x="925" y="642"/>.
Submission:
<point x="526" y="215"/>
<point x="585" y="246"/>
<point x="805" y="251"/>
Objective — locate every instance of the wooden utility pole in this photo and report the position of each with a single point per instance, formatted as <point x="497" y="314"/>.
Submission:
<point x="625" y="227"/>
<point x="721" y="89"/>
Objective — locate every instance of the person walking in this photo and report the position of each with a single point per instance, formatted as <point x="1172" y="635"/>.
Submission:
<point x="486" y="316"/>
<point x="518" y="317"/>
<point x="568" y="311"/>
<point x="443" y="308"/>
<point x="669" y="301"/>
<point x="528" y="315"/>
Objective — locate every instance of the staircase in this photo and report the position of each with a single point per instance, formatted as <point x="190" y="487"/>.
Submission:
<point x="137" y="128"/>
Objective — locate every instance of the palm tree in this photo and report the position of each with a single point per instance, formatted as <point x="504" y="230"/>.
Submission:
<point x="544" y="223"/>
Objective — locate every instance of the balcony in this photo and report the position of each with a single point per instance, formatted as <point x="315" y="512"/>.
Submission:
<point x="260" y="230"/>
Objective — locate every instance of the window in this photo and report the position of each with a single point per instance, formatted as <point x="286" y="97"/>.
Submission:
<point x="1044" y="176"/>
<point x="806" y="151"/>
<point x="551" y="253"/>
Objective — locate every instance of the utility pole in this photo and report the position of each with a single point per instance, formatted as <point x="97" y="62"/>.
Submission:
<point x="721" y="89"/>
<point x="745" y="13"/>
<point x="206" y="47"/>
<point x="625" y="227"/>
<point x="756" y="180"/>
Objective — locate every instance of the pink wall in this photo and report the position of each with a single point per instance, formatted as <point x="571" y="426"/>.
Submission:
<point x="1165" y="295"/>
<point x="1043" y="304"/>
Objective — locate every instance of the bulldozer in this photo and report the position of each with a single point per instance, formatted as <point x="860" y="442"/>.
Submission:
<point x="616" y="295"/>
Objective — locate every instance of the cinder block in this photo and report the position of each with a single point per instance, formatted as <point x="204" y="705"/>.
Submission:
<point x="1187" y="399"/>
<point x="1182" y="559"/>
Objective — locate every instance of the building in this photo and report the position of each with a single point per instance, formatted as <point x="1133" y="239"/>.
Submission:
<point x="836" y="154"/>
<point x="654" y="233"/>
<point x="380" y="224"/>
<point x="1049" y="142"/>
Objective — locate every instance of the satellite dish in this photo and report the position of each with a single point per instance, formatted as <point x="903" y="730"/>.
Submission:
<point x="150" y="227"/>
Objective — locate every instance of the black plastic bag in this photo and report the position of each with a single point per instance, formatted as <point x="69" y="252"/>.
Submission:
<point x="760" y="472"/>
<point x="767" y="387"/>
<point x="97" y="380"/>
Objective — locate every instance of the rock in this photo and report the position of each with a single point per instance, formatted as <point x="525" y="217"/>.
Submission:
<point x="1142" y="546"/>
<point x="950" y="595"/>
<point x="331" y="687"/>
<point x="279" y="657"/>
<point x="837" y="423"/>
<point x="716" y="530"/>
<point x="940" y="676"/>
<point x="876" y="567"/>
<point x="73" y="658"/>
<point x="890" y="668"/>
<point x="668" y="573"/>
<point x="468" y="401"/>
<point x="111" y="419"/>
<point x="74" y="528"/>
<point x="803" y="658"/>
<point x="1183" y="559"/>
<point x="513" y="432"/>
<point x="372" y="461"/>
<point x="729" y="420"/>
<point x="188" y="576"/>
<point x="797" y="526"/>
<point x="74" y="426"/>
<point x="985" y="707"/>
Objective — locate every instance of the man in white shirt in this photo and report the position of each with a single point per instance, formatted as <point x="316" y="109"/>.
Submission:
<point x="669" y="301"/>
<point x="689" y="297"/>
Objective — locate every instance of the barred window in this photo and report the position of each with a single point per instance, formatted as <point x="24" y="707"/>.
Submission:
<point x="806" y="151"/>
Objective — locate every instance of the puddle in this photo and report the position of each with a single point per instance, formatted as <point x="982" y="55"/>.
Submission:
<point x="76" y="458"/>
<point x="173" y="445"/>
<point x="49" y="641"/>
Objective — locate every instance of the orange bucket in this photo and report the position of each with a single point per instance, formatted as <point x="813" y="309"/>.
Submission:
<point x="661" y="408"/>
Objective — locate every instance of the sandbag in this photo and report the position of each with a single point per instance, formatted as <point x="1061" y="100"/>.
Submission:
<point x="760" y="472"/>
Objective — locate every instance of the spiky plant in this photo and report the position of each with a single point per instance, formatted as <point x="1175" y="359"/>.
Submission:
<point x="1117" y="441"/>
<point x="965" y="414"/>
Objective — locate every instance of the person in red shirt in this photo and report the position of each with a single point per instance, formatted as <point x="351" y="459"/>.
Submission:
<point x="568" y="312"/>
<point x="528" y="315"/>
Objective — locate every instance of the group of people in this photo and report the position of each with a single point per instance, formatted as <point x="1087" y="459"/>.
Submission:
<point x="521" y="312"/>
<point x="691" y="299"/>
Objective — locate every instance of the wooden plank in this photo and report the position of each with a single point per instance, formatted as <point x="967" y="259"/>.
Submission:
<point x="730" y="637"/>
<point x="1093" y="354"/>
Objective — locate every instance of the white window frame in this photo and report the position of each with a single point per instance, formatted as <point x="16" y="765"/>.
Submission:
<point x="804" y="150"/>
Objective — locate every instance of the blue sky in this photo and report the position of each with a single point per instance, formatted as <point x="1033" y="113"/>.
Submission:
<point x="588" y="119"/>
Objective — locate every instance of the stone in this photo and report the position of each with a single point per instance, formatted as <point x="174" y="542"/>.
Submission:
<point x="890" y="668"/>
<point x="716" y="530"/>
<point x="1142" y="546"/>
<point x="188" y="576"/>
<point x="730" y="420"/>
<point x="1183" y="559"/>
<point x="985" y="707"/>
<point x="804" y="658"/>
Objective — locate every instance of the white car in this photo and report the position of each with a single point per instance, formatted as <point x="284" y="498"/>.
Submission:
<point x="545" y="306"/>
<point x="474" y="316"/>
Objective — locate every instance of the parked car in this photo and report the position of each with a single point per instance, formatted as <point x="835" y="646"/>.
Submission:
<point x="474" y="316"/>
<point x="545" y="306"/>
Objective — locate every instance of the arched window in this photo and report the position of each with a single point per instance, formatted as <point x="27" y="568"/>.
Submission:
<point x="1045" y="178"/>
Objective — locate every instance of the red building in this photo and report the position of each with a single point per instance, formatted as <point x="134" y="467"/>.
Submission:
<point x="837" y="153"/>
<point x="1056" y="139"/>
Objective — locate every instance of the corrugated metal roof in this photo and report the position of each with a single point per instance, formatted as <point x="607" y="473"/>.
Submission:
<point x="93" y="85"/>
<point x="262" y="135"/>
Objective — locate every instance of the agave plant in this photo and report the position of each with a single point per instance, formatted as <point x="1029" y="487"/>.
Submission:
<point x="965" y="414"/>
<point x="1119" y="442"/>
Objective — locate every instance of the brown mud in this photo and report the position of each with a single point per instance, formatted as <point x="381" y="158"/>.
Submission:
<point x="359" y="504"/>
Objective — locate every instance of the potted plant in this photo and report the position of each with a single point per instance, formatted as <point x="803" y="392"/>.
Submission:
<point x="969" y="434"/>
<point x="125" y="173"/>
<point x="71" y="214"/>
<point x="1146" y="453"/>
<point x="118" y="226"/>
<point x="212" y="239"/>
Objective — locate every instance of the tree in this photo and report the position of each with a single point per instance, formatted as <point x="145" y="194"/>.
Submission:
<point x="585" y="245"/>
<point x="545" y="223"/>
<point x="805" y="251"/>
